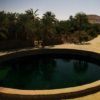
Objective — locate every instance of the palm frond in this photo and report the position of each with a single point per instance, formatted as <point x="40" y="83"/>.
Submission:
<point x="3" y="36"/>
<point x="36" y="11"/>
<point x="3" y="29"/>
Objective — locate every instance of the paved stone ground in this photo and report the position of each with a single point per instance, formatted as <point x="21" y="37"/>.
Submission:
<point x="93" y="45"/>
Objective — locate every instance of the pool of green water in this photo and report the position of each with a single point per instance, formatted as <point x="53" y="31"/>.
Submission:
<point x="44" y="72"/>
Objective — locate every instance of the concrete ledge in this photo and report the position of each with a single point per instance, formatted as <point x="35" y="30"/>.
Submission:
<point x="49" y="51"/>
<point x="64" y="93"/>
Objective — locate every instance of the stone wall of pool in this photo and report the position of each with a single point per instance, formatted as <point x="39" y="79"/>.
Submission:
<point x="64" y="93"/>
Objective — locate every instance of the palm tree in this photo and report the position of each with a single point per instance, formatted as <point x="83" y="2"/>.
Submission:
<point x="12" y="20"/>
<point x="59" y="30"/>
<point x="32" y="14"/>
<point x="71" y="19"/>
<point x="48" y="28"/>
<point x="25" y="27"/>
<point x="49" y="25"/>
<point x="67" y="27"/>
<point x="51" y="16"/>
<point x="39" y="29"/>
<point x="3" y="25"/>
<point x="80" y="17"/>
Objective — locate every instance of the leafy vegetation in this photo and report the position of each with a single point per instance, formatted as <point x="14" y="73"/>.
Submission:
<point x="28" y="27"/>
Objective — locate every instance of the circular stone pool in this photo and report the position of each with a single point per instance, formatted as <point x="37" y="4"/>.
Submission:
<point x="49" y="71"/>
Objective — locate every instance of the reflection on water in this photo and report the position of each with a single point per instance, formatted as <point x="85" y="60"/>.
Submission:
<point x="80" y="66"/>
<point x="48" y="72"/>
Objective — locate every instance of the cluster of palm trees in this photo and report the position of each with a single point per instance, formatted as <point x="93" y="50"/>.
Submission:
<point x="30" y="26"/>
<point x="26" y="26"/>
<point x="79" y="24"/>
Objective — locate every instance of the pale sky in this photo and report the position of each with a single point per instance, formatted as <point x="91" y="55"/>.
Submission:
<point x="61" y="8"/>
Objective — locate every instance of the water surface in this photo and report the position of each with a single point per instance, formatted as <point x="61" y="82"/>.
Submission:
<point x="43" y="72"/>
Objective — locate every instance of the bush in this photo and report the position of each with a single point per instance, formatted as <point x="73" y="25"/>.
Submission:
<point x="92" y="33"/>
<point x="84" y="35"/>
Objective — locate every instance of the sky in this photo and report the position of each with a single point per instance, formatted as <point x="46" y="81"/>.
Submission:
<point x="61" y="8"/>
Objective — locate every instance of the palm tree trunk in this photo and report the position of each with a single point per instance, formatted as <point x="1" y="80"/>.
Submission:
<point x="38" y="40"/>
<point x="25" y="35"/>
<point x="66" y="35"/>
<point x="80" y="33"/>
<point x="60" y="35"/>
<point x="22" y="36"/>
<point x="19" y="36"/>
<point x="9" y="36"/>
<point x="32" y="40"/>
<point x="44" y="40"/>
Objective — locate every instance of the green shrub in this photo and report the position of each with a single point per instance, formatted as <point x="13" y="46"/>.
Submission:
<point x="92" y="33"/>
<point x="84" y="35"/>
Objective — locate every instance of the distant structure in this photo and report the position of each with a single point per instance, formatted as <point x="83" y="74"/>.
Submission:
<point x="94" y="18"/>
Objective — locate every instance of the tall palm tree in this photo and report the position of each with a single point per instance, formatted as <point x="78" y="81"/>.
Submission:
<point x="32" y="14"/>
<point x="71" y="19"/>
<point x="3" y="25"/>
<point x="25" y="27"/>
<point x="48" y="28"/>
<point x="51" y="16"/>
<point x="80" y="17"/>
<point x="12" y="20"/>
<point x="49" y="23"/>
<point x="39" y="30"/>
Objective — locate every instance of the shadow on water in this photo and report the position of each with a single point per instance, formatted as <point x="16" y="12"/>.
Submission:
<point x="66" y="59"/>
<point x="22" y="73"/>
<point x="47" y="68"/>
<point x="80" y="67"/>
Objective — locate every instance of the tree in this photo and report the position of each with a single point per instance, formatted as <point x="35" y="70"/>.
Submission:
<point x="3" y="25"/>
<point x="66" y="26"/>
<point x="48" y="23"/>
<point x="51" y="16"/>
<point x="12" y="21"/>
<point x="25" y="27"/>
<point x="80" y="18"/>
<point x="39" y="30"/>
<point x="71" y="19"/>
<point x="32" y="14"/>
<point x="60" y="31"/>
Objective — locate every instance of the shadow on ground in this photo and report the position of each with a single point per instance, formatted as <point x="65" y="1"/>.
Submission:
<point x="82" y="43"/>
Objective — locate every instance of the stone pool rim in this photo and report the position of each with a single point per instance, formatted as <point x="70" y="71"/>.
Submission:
<point x="63" y="93"/>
